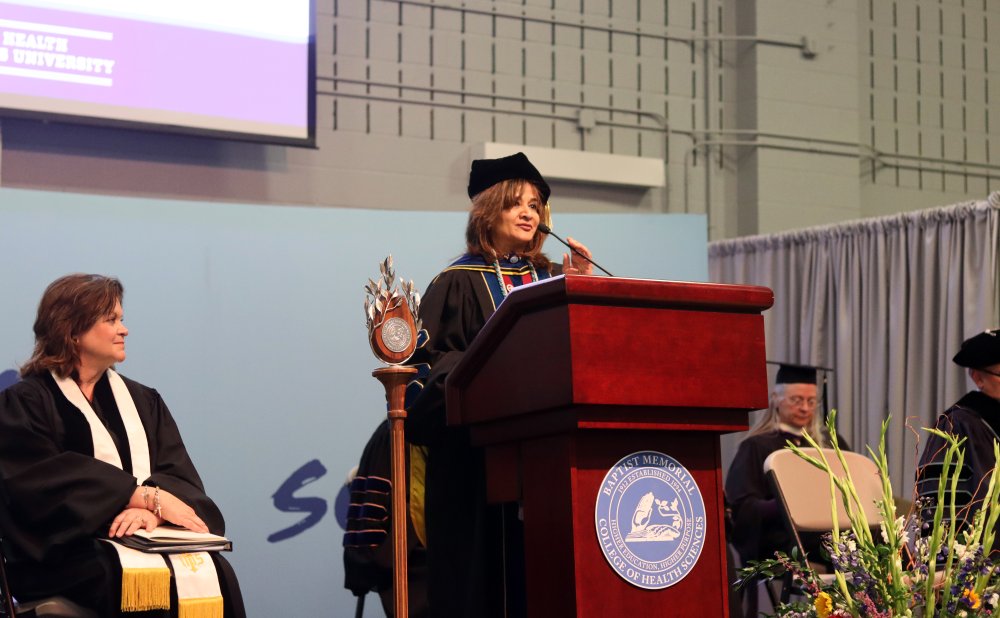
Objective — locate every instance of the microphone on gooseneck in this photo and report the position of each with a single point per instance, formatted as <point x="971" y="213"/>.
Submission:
<point x="547" y="230"/>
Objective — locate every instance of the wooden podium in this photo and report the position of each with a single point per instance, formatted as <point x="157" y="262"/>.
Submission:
<point x="629" y="365"/>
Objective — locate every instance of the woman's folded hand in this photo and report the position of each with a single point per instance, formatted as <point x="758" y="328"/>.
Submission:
<point x="172" y="509"/>
<point x="131" y="519"/>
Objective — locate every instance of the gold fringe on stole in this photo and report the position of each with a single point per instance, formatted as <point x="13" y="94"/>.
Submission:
<point x="145" y="589"/>
<point x="209" y="607"/>
<point x="418" y="470"/>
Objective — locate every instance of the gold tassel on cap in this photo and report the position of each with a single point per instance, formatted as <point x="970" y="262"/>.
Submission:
<point x="145" y="589"/>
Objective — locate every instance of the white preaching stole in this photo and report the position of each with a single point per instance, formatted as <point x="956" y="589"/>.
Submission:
<point x="145" y="576"/>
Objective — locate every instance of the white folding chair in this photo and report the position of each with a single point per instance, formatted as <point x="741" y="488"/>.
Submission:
<point x="804" y="492"/>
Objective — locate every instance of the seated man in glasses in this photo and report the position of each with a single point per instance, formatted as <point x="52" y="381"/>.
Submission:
<point x="976" y="417"/>
<point x="758" y="529"/>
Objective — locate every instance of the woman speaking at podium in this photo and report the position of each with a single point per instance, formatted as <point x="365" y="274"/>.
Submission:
<point x="87" y="454"/>
<point x="469" y="564"/>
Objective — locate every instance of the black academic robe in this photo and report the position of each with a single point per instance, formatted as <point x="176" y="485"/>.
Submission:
<point x="976" y="417"/>
<point x="56" y="499"/>
<point x="466" y="558"/>
<point x="758" y="527"/>
<point x="368" y="551"/>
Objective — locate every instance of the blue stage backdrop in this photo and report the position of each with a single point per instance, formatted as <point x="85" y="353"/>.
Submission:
<point x="248" y="320"/>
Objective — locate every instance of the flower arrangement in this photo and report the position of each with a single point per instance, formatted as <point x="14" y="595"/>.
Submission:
<point x="920" y="566"/>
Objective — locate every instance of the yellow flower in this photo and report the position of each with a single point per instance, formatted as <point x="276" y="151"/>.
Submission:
<point x="974" y="601"/>
<point x="824" y="605"/>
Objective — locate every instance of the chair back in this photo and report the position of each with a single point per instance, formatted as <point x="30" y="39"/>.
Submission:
<point x="6" y="600"/>
<point x="805" y="490"/>
<point x="49" y="607"/>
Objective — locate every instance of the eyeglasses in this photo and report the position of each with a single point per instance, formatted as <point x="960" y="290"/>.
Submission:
<point x="798" y="401"/>
<point x="992" y="373"/>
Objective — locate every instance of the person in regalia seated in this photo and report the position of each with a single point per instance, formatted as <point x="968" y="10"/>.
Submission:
<point x="975" y="417"/>
<point x="468" y="564"/>
<point x="758" y="527"/>
<point x="88" y="456"/>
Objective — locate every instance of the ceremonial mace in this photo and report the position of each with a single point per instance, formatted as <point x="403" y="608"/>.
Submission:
<point x="391" y="314"/>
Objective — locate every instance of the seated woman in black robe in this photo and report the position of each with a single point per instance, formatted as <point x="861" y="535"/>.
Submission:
<point x="88" y="455"/>
<point x="467" y="566"/>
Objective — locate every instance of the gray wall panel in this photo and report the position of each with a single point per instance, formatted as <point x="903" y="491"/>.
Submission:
<point x="928" y="99"/>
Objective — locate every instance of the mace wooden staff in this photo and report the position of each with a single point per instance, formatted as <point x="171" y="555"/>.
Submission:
<point x="391" y="314"/>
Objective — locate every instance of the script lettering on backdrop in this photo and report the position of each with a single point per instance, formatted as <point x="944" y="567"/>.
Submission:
<point x="315" y="507"/>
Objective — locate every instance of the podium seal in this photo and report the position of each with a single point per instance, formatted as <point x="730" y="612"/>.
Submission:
<point x="650" y="520"/>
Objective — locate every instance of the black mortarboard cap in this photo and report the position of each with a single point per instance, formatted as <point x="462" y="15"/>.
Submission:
<point x="487" y="172"/>
<point x="980" y="351"/>
<point x="795" y="374"/>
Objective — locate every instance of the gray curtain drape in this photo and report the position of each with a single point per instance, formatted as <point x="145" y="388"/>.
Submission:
<point x="886" y="303"/>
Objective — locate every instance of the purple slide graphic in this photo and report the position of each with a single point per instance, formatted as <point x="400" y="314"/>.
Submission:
<point x="121" y="62"/>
